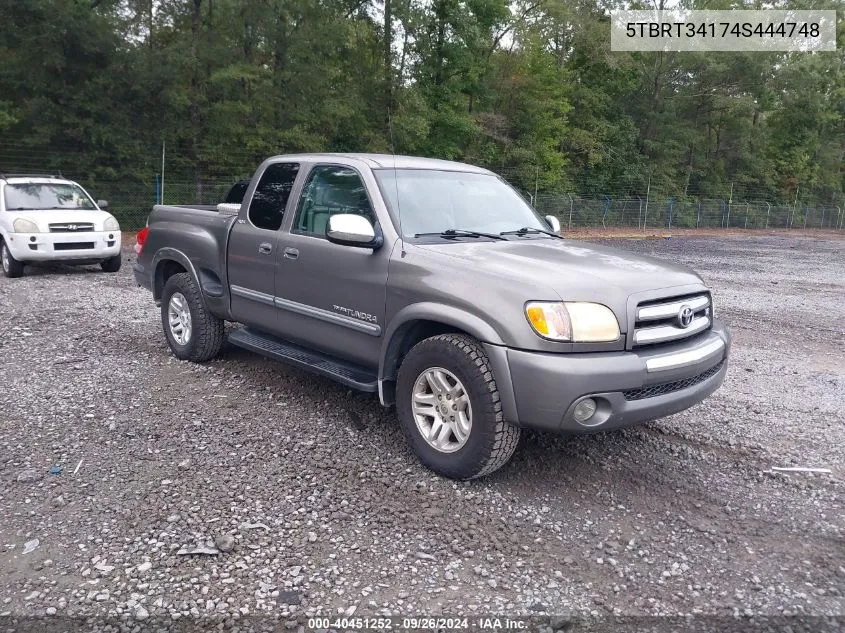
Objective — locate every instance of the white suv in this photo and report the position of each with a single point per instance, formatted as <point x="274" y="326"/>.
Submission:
<point x="44" y="218"/>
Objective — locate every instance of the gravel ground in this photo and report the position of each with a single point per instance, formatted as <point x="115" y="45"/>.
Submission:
<point x="318" y="506"/>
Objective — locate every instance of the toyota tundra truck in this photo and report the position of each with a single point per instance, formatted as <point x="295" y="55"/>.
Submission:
<point x="437" y="286"/>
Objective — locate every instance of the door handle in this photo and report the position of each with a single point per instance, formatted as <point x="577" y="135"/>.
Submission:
<point x="291" y="253"/>
<point x="265" y="247"/>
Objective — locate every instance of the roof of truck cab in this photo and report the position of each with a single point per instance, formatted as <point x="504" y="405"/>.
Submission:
<point x="389" y="161"/>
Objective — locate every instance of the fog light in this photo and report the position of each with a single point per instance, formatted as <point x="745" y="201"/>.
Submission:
<point x="111" y="237"/>
<point x="32" y="238"/>
<point x="584" y="410"/>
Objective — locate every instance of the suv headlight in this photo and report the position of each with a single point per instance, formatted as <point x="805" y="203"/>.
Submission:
<point x="574" y="321"/>
<point x="111" y="224"/>
<point x="22" y="225"/>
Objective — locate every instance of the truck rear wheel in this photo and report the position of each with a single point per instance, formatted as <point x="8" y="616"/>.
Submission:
<point x="449" y="407"/>
<point x="11" y="267"/>
<point x="192" y="332"/>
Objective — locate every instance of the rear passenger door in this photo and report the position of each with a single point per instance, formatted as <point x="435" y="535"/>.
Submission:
<point x="253" y="246"/>
<point x="332" y="297"/>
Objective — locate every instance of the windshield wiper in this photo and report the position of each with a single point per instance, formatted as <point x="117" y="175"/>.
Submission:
<point x="527" y="229"/>
<point x="453" y="233"/>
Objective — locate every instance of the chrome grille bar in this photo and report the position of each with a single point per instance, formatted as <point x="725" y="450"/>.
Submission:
<point x="663" y="333"/>
<point x="671" y="319"/>
<point x="670" y="310"/>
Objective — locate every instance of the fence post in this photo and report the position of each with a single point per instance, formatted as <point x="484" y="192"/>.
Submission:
<point x="730" y="202"/>
<point x="671" y="207"/>
<point x="698" y="215"/>
<point x="806" y="215"/>
<point x="746" y="216"/>
<point x="647" y="192"/>
<point x="639" y="213"/>
<point x="161" y="190"/>
<point x="823" y="211"/>
<point x="839" y="215"/>
<point x="768" y="211"/>
<point x="570" y="210"/>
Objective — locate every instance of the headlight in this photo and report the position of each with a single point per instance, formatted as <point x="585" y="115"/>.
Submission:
<point x="22" y="225"/>
<point x="578" y="322"/>
<point x="111" y="224"/>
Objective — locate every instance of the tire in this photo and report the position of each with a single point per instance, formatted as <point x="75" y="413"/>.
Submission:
<point x="112" y="264"/>
<point x="490" y="441"/>
<point x="12" y="268"/>
<point x="204" y="330"/>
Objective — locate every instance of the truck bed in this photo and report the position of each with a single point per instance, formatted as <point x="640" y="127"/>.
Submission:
<point x="201" y="233"/>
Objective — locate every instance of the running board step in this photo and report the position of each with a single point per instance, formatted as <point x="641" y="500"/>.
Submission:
<point x="353" y="376"/>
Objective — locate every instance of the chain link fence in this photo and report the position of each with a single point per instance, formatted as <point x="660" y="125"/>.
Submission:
<point x="666" y="213"/>
<point x="131" y="200"/>
<point x="131" y="204"/>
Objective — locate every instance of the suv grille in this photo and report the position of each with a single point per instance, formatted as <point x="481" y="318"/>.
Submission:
<point x="72" y="227"/>
<point x="73" y="246"/>
<point x="667" y="320"/>
<point x="668" y="387"/>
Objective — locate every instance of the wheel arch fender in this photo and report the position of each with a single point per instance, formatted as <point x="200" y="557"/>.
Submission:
<point x="160" y="259"/>
<point x="403" y="324"/>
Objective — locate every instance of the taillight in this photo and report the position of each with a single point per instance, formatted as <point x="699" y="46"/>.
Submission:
<point x="140" y="239"/>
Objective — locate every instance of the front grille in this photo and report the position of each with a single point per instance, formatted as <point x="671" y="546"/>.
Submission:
<point x="73" y="246"/>
<point x="668" y="387"/>
<point x="671" y="319"/>
<point x="72" y="227"/>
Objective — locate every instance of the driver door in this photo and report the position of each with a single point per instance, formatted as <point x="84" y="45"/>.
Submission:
<point x="332" y="297"/>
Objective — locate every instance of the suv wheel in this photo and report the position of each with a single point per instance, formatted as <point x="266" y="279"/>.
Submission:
<point x="192" y="332"/>
<point x="111" y="265"/>
<point x="450" y="409"/>
<point x="11" y="267"/>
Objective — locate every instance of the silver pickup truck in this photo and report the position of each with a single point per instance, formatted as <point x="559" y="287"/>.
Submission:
<point x="435" y="285"/>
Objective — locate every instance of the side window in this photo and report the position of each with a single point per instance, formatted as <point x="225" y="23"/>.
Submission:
<point x="271" y="195"/>
<point x="330" y="190"/>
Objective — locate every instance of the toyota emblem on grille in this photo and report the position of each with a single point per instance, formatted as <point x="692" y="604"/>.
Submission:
<point x="685" y="315"/>
<point x="71" y="227"/>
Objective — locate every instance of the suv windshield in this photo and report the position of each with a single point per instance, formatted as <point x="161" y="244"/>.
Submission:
<point x="43" y="196"/>
<point x="433" y="201"/>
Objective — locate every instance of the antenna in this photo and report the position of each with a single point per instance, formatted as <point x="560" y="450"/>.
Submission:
<point x="396" y="180"/>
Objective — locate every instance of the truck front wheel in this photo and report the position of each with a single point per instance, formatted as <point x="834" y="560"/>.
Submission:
<point x="192" y="332"/>
<point x="11" y="267"/>
<point x="450" y="409"/>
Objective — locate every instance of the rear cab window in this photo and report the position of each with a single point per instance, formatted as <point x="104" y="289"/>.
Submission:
<point x="267" y="207"/>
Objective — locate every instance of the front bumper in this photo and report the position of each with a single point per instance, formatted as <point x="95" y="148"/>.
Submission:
<point x="541" y="390"/>
<point x="42" y="247"/>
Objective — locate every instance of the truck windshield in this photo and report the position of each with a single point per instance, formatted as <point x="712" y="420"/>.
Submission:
<point x="43" y="196"/>
<point x="432" y="202"/>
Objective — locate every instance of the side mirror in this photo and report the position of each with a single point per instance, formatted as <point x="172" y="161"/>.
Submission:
<point x="348" y="229"/>
<point x="103" y="204"/>
<point x="554" y="223"/>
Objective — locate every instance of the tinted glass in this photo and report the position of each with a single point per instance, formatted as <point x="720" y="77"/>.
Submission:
<point x="237" y="192"/>
<point x="331" y="190"/>
<point x="39" y="197"/>
<point x="431" y="201"/>
<point x="271" y="195"/>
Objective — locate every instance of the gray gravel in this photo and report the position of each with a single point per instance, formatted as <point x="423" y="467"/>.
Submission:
<point x="304" y="499"/>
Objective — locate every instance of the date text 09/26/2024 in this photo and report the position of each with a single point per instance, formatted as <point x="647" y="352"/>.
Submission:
<point x="419" y="623"/>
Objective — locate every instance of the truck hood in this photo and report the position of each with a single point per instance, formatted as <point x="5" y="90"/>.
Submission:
<point x="576" y="271"/>
<point x="56" y="216"/>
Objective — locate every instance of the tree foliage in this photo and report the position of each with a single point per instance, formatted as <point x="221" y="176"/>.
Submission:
<point x="528" y="87"/>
